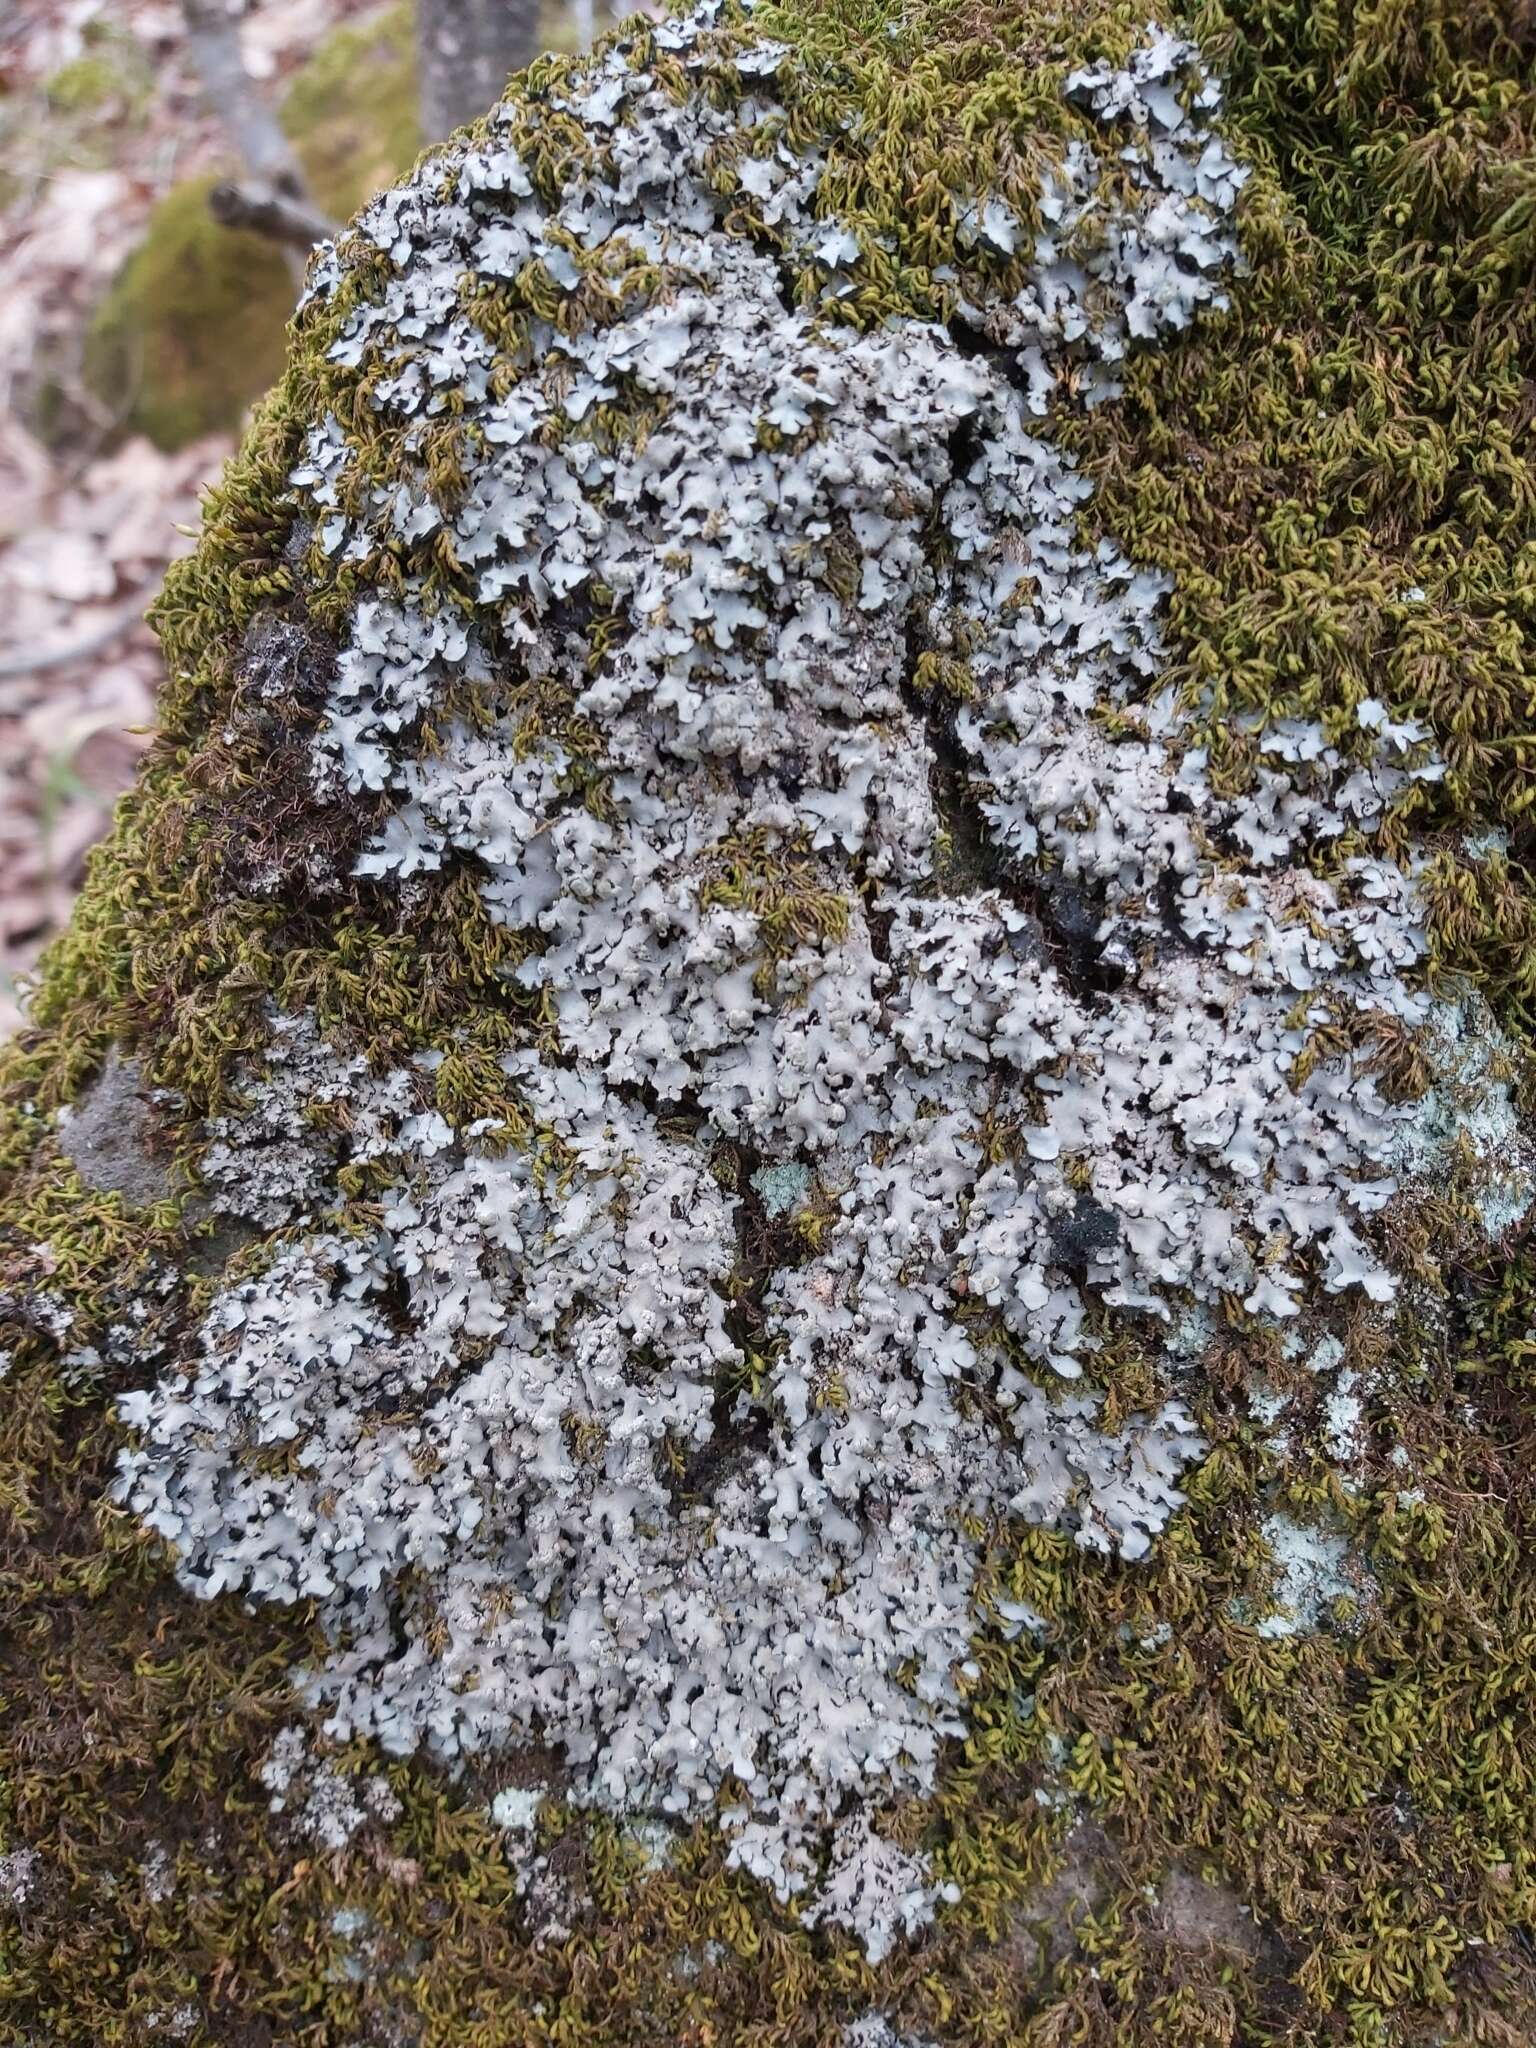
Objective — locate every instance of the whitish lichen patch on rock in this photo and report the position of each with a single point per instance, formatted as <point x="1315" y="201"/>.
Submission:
<point x="812" y="513"/>
<point x="837" y="1228"/>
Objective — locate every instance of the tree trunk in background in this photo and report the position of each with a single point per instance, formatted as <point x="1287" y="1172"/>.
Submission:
<point x="469" y="49"/>
<point x="213" y="38"/>
<point x="272" y="197"/>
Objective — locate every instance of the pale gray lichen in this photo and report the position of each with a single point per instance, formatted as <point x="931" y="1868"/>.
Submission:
<point x="696" y="1642"/>
<point x="326" y="1805"/>
<point x="157" y="1874"/>
<point x="267" y="1164"/>
<point x="880" y="1892"/>
<point x="356" y="1931"/>
<point x="19" y="1874"/>
<point x="173" y="2023"/>
<point x="874" y="2030"/>
<point x="656" y="1843"/>
<point x="517" y="1808"/>
<point x="1102" y="281"/>
<point x="1344" y="1413"/>
<point x="505" y="1432"/>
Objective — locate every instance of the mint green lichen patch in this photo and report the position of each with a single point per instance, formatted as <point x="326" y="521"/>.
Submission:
<point x="782" y="1188"/>
<point x="1468" y="1123"/>
<point x="1312" y="1565"/>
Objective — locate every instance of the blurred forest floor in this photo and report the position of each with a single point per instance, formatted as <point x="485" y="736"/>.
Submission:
<point x="134" y="334"/>
<point x="101" y="119"/>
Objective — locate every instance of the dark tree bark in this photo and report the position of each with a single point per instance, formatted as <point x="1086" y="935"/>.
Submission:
<point x="468" y="50"/>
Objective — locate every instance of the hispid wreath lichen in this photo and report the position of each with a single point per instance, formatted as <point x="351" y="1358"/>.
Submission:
<point x="765" y="1234"/>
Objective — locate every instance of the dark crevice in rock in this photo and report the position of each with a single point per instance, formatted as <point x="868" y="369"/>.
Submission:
<point x="1063" y="916"/>
<point x="877" y="920"/>
<point x="1087" y="1229"/>
<point x="731" y="1447"/>
<point x="976" y="345"/>
<point x="765" y="1243"/>
<point x="278" y="840"/>
<point x="1072" y="916"/>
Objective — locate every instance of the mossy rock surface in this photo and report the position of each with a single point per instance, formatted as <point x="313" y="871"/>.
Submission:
<point x="1258" y="1768"/>
<point x="193" y="328"/>
<point x="192" y="331"/>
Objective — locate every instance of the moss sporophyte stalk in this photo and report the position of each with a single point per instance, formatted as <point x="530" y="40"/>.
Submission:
<point x="766" y="1240"/>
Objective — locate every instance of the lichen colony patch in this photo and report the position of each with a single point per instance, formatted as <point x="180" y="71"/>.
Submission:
<point x="905" y="999"/>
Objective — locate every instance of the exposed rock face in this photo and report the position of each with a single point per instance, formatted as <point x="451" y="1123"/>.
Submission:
<point x="917" y="1068"/>
<point x="114" y="1138"/>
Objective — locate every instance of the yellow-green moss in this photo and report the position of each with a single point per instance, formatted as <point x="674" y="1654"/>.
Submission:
<point x="91" y="82"/>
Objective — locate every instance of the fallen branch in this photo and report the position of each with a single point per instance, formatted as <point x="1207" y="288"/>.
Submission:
<point x="213" y="42"/>
<point x="269" y="212"/>
<point x="272" y="200"/>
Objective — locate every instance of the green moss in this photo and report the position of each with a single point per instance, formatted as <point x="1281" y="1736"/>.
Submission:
<point x="1358" y="427"/>
<point x="784" y="887"/>
<point x="192" y="329"/>
<point x="109" y="82"/>
<point x="91" y="81"/>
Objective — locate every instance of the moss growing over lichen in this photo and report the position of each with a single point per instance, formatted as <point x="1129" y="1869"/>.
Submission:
<point x="1337" y="475"/>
